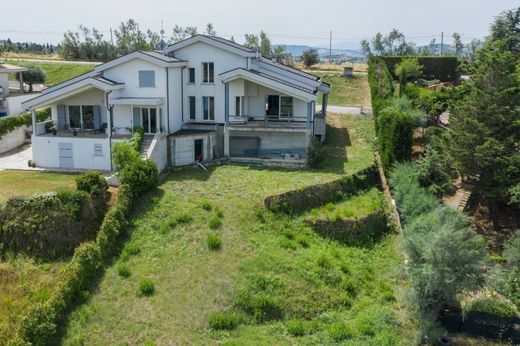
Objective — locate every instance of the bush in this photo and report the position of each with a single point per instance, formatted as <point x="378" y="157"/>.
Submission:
<point x="491" y="305"/>
<point x="91" y="181"/>
<point x="381" y="87"/>
<point x="315" y="154"/>
<point x="262" y="307"/>
<point x="224" y="321"/>
<point x="124" y="154"/>
<point x="443" y="68"/>
<point x="215" y="222"/>
<point x="395" y="135"/>
<point x="512" y="250"/>
<point x="123" y="270"/>
<point x="140" y="176"/>
<point x="206" y="205"/>
<point x="213" y="241"/>
<point x="12" y="122"/>
<point x="295" y="327"/>
<point x="219" y="212"/>
<point x="339" y="331"/>
<point x="131" y="249"/>
<point x="146" y="287"/>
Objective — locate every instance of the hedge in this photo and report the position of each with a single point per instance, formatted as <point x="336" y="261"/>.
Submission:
<point x="39" y="325"/>
<point x="443" y="68"/>
<point x="12" y="122"/>
<point x="381" y="87"/>
<point x="314" y="196"/>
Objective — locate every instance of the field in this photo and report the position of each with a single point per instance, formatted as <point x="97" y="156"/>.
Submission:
<point x="24" y="281"/>
<point x="352" y="91"/>
<point x="56" y="72"/>
<point x="271" y="272"/>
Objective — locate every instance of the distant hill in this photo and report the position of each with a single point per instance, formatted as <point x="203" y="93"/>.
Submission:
<point x="297" y="51"/>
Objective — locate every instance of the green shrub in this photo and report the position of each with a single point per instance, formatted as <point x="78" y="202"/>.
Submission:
<point x="12" y="122"/>
<point x="124" y="154"/>
<point x="183" y="218"/>
<point x="224" y="321"/>
<point x="140" y="177"/>
<point x="339" y="331"/>
<point x="315" y="154"/>
<point x="395" y="135"/>
<point x="381" y="87"/>
<point x="443" y="68"/>
<point x="213" y="241"/>
<point x="91" y="181"/>
<point x="123" y="270"/>
<point x="262" y="307"/>
<point x="295" y="327"/>
<point x="219" y="212"/>
<point x="206" y="205"/>
<point x="131" y="249"/>
<point x="512" y="250"/>
<point x="215" y="222"/>
<point x="491" y="305"/>
<point x="146" y="287"/>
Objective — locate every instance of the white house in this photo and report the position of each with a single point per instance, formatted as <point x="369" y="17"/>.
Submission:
<point x="201" y="99"/>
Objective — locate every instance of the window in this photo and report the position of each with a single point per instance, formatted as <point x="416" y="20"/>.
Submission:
<point x="98" y="149"/>
<point x="286" y="106"/>
<point x="192" y="107"/>
<point x="87" y="114"/>
<point x="208" y="105"/>
<point x="146" y="79"/>
<point x="272" y="105"/>
<point x="237" y="106"/>
<point x="208" y="71"/>
<point x="75" y="117"/>
<point x="191" y="75"/>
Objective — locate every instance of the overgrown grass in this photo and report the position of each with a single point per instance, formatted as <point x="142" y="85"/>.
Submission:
<point x="198" y="292"/>
<point x="56" y="72"/>
<point x="352" y="91"/>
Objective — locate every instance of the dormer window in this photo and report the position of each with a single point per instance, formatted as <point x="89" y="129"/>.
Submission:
<point x="208" y="72"/>
<point x="146" y="79"/>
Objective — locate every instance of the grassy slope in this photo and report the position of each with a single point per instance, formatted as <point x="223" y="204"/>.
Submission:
<point x="22" y="280"/>
<point x="56" y="72"/>
<point x="347" y="91"/>
<point x="193" y="282"/>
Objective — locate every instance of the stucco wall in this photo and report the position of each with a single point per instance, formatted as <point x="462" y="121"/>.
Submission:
<point x="159" y="153"/>
<point x="12" y="139"/>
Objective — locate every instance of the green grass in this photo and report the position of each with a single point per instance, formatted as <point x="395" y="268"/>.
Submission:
<point x="18" y="183"/>
<point x="252" y="276"/>
<point x="353" y="91"/>
<point x="353" y="207"/>
<point x="56" y="72"/>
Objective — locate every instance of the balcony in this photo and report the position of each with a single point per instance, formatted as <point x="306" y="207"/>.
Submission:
<point x="271" y="123"/>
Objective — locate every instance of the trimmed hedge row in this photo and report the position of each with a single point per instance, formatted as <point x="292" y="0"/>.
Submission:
<point x="315" y="196"/>
<point x="381" y="86"/>
<point x="443" y="68"/>
<point x="12" y="122"/>
<point x="39" y="325"/>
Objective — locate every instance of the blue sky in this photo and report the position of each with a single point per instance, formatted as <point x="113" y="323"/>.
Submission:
<point x="286" y="21"/>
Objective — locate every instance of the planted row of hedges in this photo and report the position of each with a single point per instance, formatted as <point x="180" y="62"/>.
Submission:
<point x="50" y="226"/>
<point x="443" y="68"/>
<point x="12" y="122"/>
<point x="314" y="196"/>
<point x="40" y="324"/>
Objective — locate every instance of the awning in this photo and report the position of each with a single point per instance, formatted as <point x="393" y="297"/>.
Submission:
<point x="141" y="101"/>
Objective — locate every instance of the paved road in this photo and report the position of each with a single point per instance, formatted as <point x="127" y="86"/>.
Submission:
<point x="58" y="61"/>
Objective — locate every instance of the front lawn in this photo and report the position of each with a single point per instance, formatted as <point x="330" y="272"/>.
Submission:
<point x="203" y="244"/>
<point x="352" y="91"/>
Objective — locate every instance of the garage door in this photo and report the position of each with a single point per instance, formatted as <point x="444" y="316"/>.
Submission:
<point x="65" y="151"/>
<point x="244" y="146"/>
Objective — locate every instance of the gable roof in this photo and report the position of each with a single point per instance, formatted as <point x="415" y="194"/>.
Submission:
<point x="151" y="57"/>
<point x="215" y="41"/>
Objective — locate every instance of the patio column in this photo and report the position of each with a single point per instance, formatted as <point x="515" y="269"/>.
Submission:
<point x="324" y="102"/>
<point x="33" y="116"/>
<point x="20" y="77"/>
<point x="226" y="102"/>
<point x="226" y="141"/>
<point x="310" y="105"/>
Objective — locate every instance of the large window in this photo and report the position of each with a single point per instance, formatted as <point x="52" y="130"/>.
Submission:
<point x="88" y="117"/>
<point x="192" y="107"/>
<point x="75" y="117"/>
<point x="208" y="71"/>
<point x="208" y="105"/>
<point x="272" y="105"/>
<point x="146" y="79"/>
<point x="286" y="106"/>
<point x="191" y="75"/>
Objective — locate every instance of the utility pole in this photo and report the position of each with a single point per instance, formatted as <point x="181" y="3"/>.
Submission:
<point x="442" y="42"/>
<point x="330" y="48"/>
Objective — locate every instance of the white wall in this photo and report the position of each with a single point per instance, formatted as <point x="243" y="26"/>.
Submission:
<point x="4" y="83"/>
<point x="224" y="61"/>
<point x="12" y="139"/>
<point x="254" y="103"/>
<point x="184" y="148"/>
<point x="46" y="153"/>
<point x="93" y="96"/>
<point x="14" y="103"/>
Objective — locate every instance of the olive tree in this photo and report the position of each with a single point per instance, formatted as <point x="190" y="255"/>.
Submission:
<point x="34" y="74"/>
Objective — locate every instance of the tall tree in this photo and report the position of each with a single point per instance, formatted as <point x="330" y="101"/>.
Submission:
<point x="265" y="45"/>
<point x="252" y="41"/>
<point x="507" y="28"/>
<point x="457" y="44"/>
<point x="180" y="33"/>
<point x="210" y="30"/>
<point x="310" y="57"/>
<point x="394" y="43"/>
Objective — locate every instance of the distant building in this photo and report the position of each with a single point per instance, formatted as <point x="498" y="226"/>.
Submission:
<point x="7" y="107"/>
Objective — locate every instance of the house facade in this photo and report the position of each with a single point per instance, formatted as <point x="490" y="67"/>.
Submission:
<point x="200" y="99"/>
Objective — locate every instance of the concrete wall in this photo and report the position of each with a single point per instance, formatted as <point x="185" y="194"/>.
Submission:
<point x="46" y="153"/>
<point x="12" y="139"/>
<point x="183" y="148"/>
<point x="159" y="153"/>
<point x="284" y="142"/>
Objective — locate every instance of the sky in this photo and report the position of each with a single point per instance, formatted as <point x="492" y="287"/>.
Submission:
<point x="286" y="21"/>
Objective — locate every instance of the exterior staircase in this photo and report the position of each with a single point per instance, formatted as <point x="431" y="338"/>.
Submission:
<point x="145" y="146"/>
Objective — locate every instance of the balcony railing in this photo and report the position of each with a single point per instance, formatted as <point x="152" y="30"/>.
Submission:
<point x="269" y="122"/>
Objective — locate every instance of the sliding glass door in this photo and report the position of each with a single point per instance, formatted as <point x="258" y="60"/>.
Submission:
<point x="147" y="119"/>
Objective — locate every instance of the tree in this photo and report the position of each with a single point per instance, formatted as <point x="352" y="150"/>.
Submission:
<point x="506" y="28"/>
<point x="252" y="41"/>
<point x="408" y="69"/>
<point x="265" y="45"/>
<point x="457" y="44"/>
<point x="180" y="33"/>
<point x="392" y="44"/>
<point x="433" y="172"/>
<point x="34" y="74"/>
<point x="210" y="30"/>
<point x="310" y="57"/>
<point x="472" y="49"/>
<point x="130" y="38"/>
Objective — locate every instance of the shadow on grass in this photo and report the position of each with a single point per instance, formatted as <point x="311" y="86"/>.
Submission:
<point x="143" y="205"/>
<point x="336" y="143"/>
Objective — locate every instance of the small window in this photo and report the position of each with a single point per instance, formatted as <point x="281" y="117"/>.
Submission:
<point x="208" y="105"/>
<point x="98" y="149"/>
<point x="208" y="71"/>
<point x="237" y="106"/>
<point x="192" y="107"/>
<point x="146" y="79"/>
<point x="191" y="75"/>
<point x="286" y="106"/>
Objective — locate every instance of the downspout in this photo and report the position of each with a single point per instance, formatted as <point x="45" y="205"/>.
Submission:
<point x="110" y="129"/>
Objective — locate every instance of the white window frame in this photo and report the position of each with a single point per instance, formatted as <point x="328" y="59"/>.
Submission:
<point x="208" y="74"/>
<point x="209" y="116"/>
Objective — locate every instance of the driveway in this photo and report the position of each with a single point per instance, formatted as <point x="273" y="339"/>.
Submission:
<point x="347" y="109"/>
<point x="17" y="158"/>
